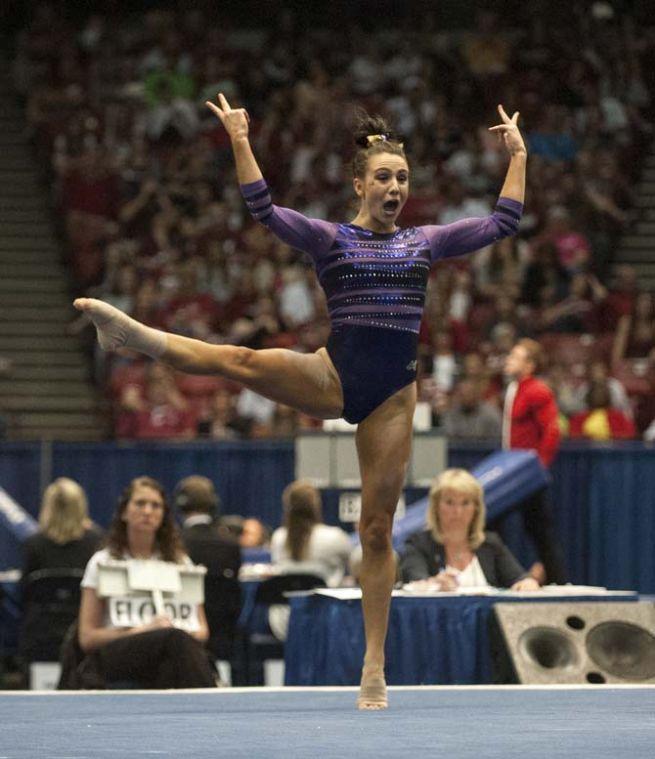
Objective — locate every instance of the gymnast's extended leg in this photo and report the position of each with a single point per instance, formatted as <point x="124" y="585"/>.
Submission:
<point x="383" y="445"/>
<point x="306" y="381"/>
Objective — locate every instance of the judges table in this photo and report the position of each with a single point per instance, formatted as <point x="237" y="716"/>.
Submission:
<point x="438" y="639"/>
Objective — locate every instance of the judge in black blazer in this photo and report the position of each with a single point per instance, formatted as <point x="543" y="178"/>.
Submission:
<point x="456" y="551"/>
<point x="198" y="504"/>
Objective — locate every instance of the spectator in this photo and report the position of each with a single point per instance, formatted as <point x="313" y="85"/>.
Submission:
<point x="569" y="392"/>
<point x="169" y="92"/>
<point x="208" y="544"/>
<point x="475" y="369"/>
<point x="162" y="413"/>
<point x="460" y="206"/>
<point x="222" y="422"/>
<point x="621" y="297"/>
<point x="455" y="551"/>
<point x="601" y="421"/>
<point x="65" y="542"/>
<point x="304" y="544"/>
<point x="256" y="412"/>
<point x="67" y="538"/>
<point x="232" y="526"/>
<point x="599" y="373"/>
<point x="154" y="654"/>
<point x="530" y="421"/>
<point x="487" y="51"/>
<point x="254" y="534"/>
<point x="635" y="333"/>
<point x="578" y="311"/>
<point x="544" y="271"/>
<point x="469" y="417"/>
<point x="444" y="363"/>
<point x="573" y="249"/>
<point x="505" y="314"/>
<point x="197" y="501"/>
<point x="498" y="270"/>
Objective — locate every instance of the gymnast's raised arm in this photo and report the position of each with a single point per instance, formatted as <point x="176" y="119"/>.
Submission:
<point x="313" y="236"/>
<point x="469" y="235"/>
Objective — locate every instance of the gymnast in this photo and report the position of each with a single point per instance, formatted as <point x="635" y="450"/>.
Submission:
<point x="374" y="275"/>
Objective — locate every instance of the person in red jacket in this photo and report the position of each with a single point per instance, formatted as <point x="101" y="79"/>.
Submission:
<point x="602" y="421"/>
<point x="530" y="421"/>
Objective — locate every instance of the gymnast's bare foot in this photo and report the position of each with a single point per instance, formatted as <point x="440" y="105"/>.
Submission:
<point x="373" y="689"/>
<point x="111" y="324"/>
<point x="117" y="330"/>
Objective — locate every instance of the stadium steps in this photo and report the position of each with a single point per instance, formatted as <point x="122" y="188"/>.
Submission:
<point x="46" y="391"/>
<point x="637" y="246"/>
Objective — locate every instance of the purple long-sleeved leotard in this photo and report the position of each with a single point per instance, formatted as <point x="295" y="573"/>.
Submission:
<point x="375" y="286"/>
<point x="372" y="279"/>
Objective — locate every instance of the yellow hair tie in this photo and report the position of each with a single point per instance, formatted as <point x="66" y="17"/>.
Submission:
<point x="373" y="138"/>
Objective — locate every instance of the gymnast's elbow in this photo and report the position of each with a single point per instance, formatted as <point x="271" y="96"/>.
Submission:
<point x="506" y="226"/>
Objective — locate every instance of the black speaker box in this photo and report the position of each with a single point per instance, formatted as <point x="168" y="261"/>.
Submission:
<point x="571" y="642"/>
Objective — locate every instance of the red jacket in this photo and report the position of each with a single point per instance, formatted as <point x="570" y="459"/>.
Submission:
<point x="533" y="419"/>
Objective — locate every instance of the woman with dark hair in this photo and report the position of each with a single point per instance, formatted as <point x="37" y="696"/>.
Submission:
<point x="155" y="654"/>
<point x="304" y="543"/>
<point x="374" y="274"/>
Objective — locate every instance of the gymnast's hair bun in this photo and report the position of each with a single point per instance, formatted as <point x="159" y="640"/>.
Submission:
<point x="370" y="129"/>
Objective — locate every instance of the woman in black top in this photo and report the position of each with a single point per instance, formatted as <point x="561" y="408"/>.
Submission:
<point x="67" y="538"/>
<point x="456" y="551"/>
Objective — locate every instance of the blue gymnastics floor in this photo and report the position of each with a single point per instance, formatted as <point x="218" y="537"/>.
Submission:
<point x="481" y="723"/>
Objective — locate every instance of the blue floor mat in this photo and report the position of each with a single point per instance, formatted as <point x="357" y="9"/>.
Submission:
<point x="481" y="723"/>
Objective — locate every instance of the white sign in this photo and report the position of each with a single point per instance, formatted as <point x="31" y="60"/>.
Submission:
<point x="134" y="611"/>
<point x="350" y="507"/>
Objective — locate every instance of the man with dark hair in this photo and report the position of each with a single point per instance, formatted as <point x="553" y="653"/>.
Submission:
<point x="530" y="421"/>
<point x="197" y="502"/>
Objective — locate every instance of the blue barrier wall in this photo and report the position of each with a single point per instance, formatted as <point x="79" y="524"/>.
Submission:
<point x="603" y="496"/>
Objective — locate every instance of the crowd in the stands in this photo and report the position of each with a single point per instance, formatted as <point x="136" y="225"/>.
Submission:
<point x="144" y="182"/>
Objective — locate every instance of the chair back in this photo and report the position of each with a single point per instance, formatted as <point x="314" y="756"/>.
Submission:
<point x="52" y="586"/>
<point x="272" y="591"/>
<point x="51" y="602"/>
<point x="222" y="608"/>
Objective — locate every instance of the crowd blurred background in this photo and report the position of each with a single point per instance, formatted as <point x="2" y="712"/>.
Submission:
<point x="143" y="181"/>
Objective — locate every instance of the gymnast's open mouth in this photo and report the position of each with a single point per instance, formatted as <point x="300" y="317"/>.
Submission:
<point x="391" y="206"/>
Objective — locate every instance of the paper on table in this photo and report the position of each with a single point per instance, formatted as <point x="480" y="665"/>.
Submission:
<point x="414" y="590"/>
<point x="420" y="588"/>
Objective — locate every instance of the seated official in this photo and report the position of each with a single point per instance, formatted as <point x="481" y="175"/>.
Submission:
<point x="304" y="544"/>
<point x="156" y="653"/>
<point x="254" y="534"/>
<point x="198" y="504"/>
<point x="456" y="551"/>
<point x="66" y="538"/>
<point x="53" y="560"/>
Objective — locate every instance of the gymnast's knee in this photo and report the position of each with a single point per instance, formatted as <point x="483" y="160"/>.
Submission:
<point x="375" y="533"/>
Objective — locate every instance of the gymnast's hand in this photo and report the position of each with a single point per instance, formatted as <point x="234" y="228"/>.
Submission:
<point x="509" y="133"/>
<point x="235" y="120"/>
